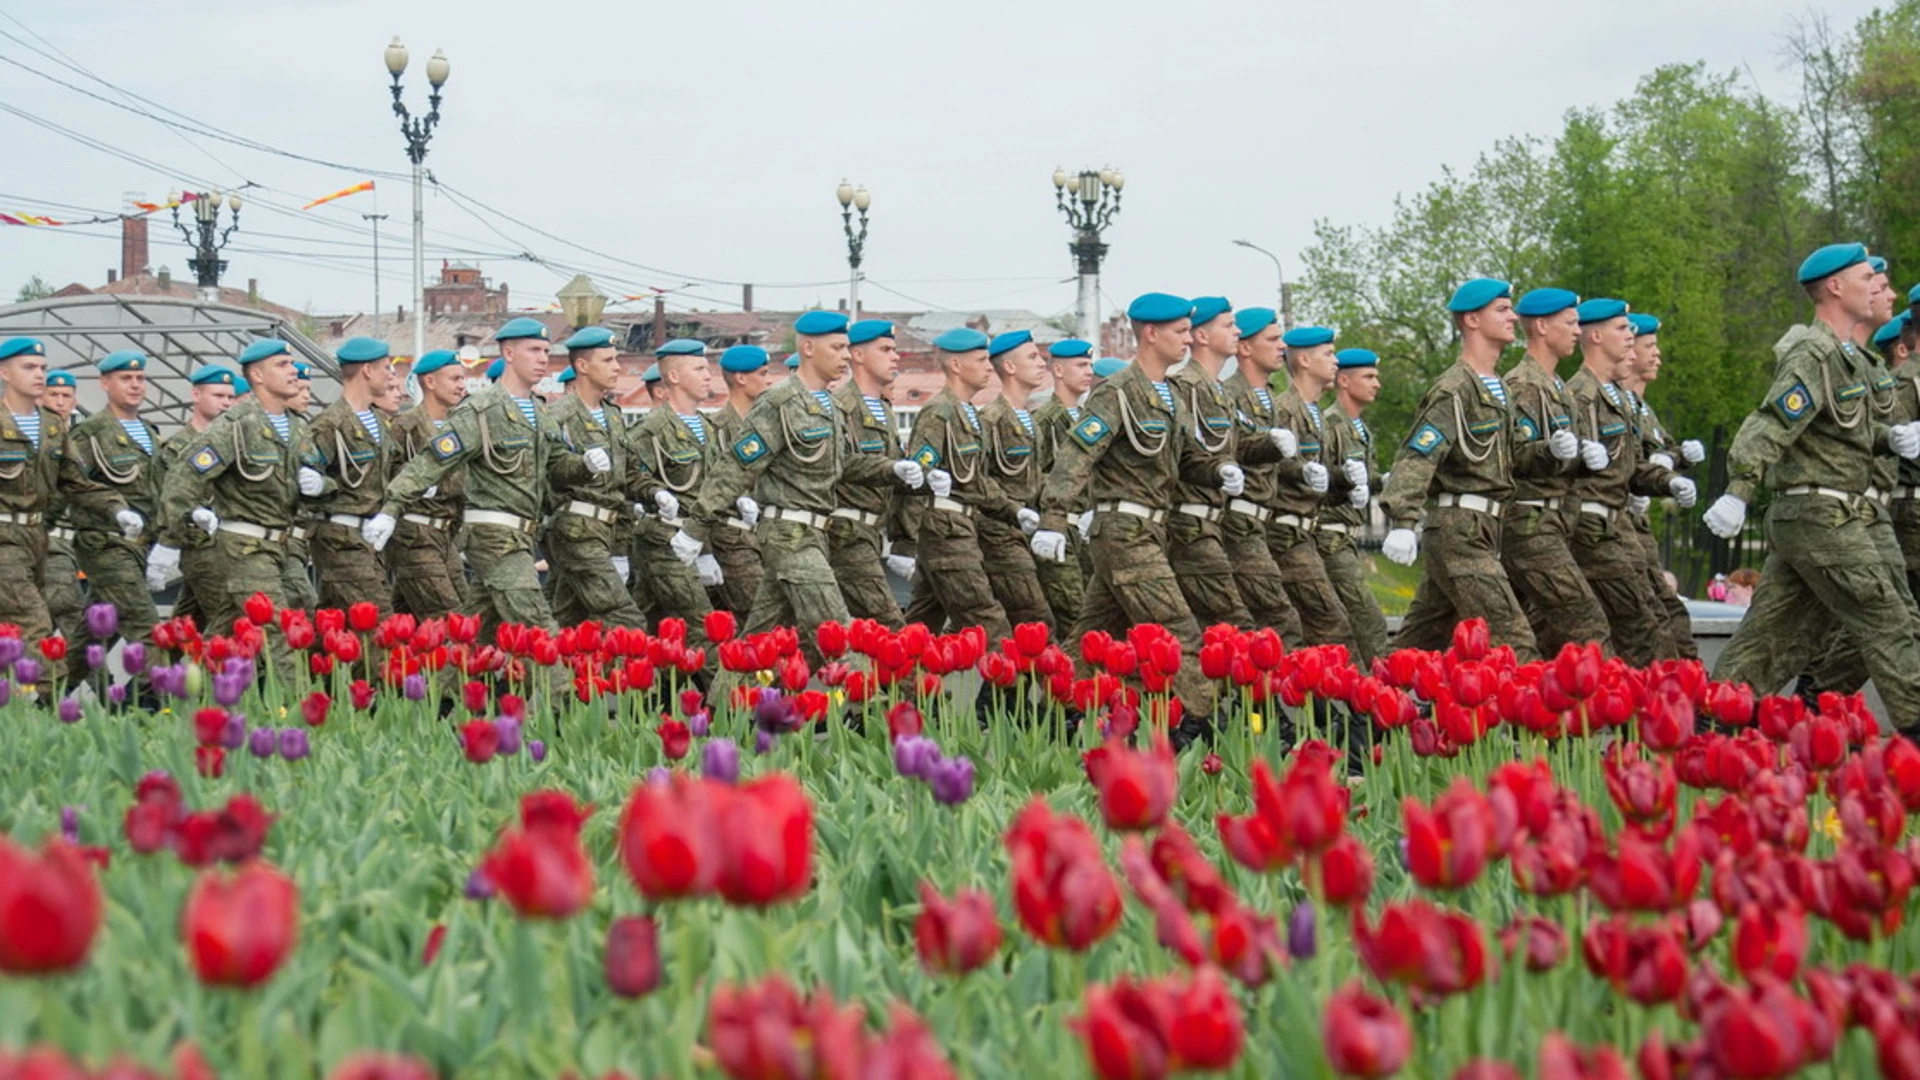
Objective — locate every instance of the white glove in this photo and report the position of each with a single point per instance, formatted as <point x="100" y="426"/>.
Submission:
<point x="910" y="473"/>
<point x="901" y="565"/>
<point x="685" y="548"/>
<point x="1356" y="471"/>
<point x="1904" y="439"/>
<point x="131" y="523"/>
<point x="708" y="568"/>
<point x="1726" y="517"/>
<point x="749" y="510"/>
<point x="1638" y="504"/>
<point x="1084" y="524"/>
<point x="1359" y="497"/>
<point x="1233" y="479"/>
<point x="206" y="519"/>
<point x="1564" y="445"/>
<point x="1402" y="546"/>
<point x="163" y="565"/>
<point x="1315" y="474"/>
<point x="1692" y="451"/>
<point x="940" y="482"/>
<point x="377" y="530"/>
<point x="598" y="460"/>
<point x="1665" y="461"/>
<point x="669" y="505"/>
<point x="310" y="481"/>
<point x="622" y="566"/>
<point x="1684" y="492"/>
<point x="1049" y="546"/>
<point x="1284" y="441"/>
<point x="1595" y="455"/>
<point x="1029" y="520"/>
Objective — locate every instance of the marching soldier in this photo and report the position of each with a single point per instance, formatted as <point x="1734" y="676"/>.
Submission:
<point x="428" y="580"/>
<point x="651" y="532"/>
<point x="675" y="447"/>
<point x="1656" y="446"/>
<point x="1605" y="545"/>
<point x="64" y="603"/>
<point x="1349" y="442"/>
<point x="868" y="535"/>
<point x="1535" y="545"/>
<point x="115" y="448"/>
<point x="1303" y="482"/>
<point x="1244" y="526"/>
<point x="351" y="438"/>
<point x="298" y="569"/>
<point x="748" y="373"/>
<point x="1011" y="440"/>
<point x="1122" y="454"/>
<point x="212" y="395"/>
<point x="586" y="539"/>
<point x="1458" y="454"/>
<point x="1070" y="364"/>
<point x="1194" y="542"/>
<point x="950" y="588"/>
<point x="1905" y="507"/>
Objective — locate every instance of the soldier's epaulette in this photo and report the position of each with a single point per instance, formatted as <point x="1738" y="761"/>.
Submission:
<point x="1883" y="381"/>
<point x="1151" y="427"/>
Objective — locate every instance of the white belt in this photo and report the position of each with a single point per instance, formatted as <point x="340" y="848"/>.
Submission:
<point x="21" y="519"/>
<point x="60" y="533"/>
<point x="1123" y="506"/>
<point x="500" y="518"/>
<point x="1540" y="504"/>
<point x="257" y="532"/>
<point x="347" y="520"/>
<point x="951" y="506"/>
<point x="804" y="517"/>
<point x="871" y="521"/>
<point x="1597" y="509"/>
<point x="1199" y="510"/>
<point x="1831" y="493"/>
<point x="1334" y="527"/>
<point x="587" y="510"/>
<point x="429" y="522"/>
<point x="1250" y="509"/>
<point x="1906" y="491"/>
<point x="736" y="523"/>
<point x="1477" y="503"/>
<point x="1874" y="494"/>
<point x="300" y="532"/>
<point x="1294" y="521"/>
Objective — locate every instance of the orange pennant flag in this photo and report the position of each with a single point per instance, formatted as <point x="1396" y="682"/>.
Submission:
<point x="364" y="185"/>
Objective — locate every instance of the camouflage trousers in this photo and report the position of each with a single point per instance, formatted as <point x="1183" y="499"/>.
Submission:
<point x="582" y="581"/>
<point x="199" y="570"/>
<point x="1463" y="580"/>
<point x="1559" y="603"/>
<point x="296" y="580"/>
<point x="1132" y="582"/>
<point x="233" y="569"/>
<point x="1668" y="609"/>
<point x="116" y="570"/>
<point x="505" y="586"/>
<point x="1323" y="617"/>
<point x="1257" y="576"/>
<point x="1065" y="583"/>
<point x="950" y="585"/>
<point x="428" y="580"/>
<point x="853" y="551"/>
<point x="1840" y="666"/>
<point x="740" y="568"/>
<point x="23" y="557"/>
<point x="1012" y="573"/>
<point x="1824" y="572"/>
<point x="64" y="604"/>
<point x="350" y="571"/>
<point x="666" y="588"/>
<point x="1206" y="574"/>
<point x="1608" y="552"/>
<point x="1349" y="578"/>
<point x="798" y="589"/>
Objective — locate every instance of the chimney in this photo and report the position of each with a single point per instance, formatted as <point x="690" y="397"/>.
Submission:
<point x="133" y="246"/>
<point x="843" y="303"/>
<point x="112" y="275"/>
<point x="746" y="297"/>
<point x="166" y="280"/>
<point x="253" y="292"/>
<point x="659" y="320"/>
<point x="337" y="328"/>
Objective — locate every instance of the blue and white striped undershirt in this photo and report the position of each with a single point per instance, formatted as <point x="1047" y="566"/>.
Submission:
<point x="137" y="431"/>
<point x="825" y="399"/>
<point x="1025" y="418"/>
<point x="1166" y="394"/>
<point x="29" y="426"/>
<point x="1266" y="397"/>
<point x="599" y="414"/>
<point x="1313" y="413"/>
<point x="527" y="410"/>
<point x="282" y="426"/>
<point x="696" y="426"/>
<point x="1495" y="387"/>
<point x="876" y="409"/>
<point x="371" y="423"/>
<point x="973" y="414"/>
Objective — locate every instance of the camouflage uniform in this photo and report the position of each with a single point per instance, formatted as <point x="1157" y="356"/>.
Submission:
<point x="1605" y="544"/>
<point x="1123" y="456"/>
<point x="1012" y="439"/>
<point x="588" y="525"/>
<point x="65" y="606"/>
<point x="355" y="464"/>
<point x="1349" y="439"/>
<point x="666" y="453"/>
<point x="197" y="556"/>
<point x="1244" y="528"/>
<point x="1194" y="540"/>
<point x="1458" y="455"/>
<point x="116" y="567"/>
<point x="1063" y="582"/>
<point x="731" y="541"/>
<point x="1535" y="548"/>
<point x="1813" y="440"/>
<point x="32" y="475"/>
<point x="1669" y="610"/>
<point x="950" y="585"/>
<point x="1290" y="533"/>
<point x="428" y="580"/>
<point x="856" y="543"/>
<point x="1906" y="490"/>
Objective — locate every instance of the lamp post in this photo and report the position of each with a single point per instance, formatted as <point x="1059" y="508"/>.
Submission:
<point x="853" y="199"/>
<point x="375" y="220"/>
<point x="581" y="301"/>
<point x="418" y="131"/>
<point x="206" y="237"/>
<point x="1286" y="294"/>
<point x="1089" y="199"/>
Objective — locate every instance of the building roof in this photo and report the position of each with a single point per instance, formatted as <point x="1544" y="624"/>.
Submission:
<point x="151" y="285"/>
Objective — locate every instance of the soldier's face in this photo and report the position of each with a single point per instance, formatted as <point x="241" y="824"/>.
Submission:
<point x="302" y="399"/>
<point x="125" y="389"/>
<point x="379" y="376"/>
<point x="1882" y="299"/>
<point x="276" y="376"/>
<point x="829" y="354"/>
<point x="1854" y="289"/>
<point x="1610" y="343"/>
<point x="1217" y="335"/>
<point x="972" y="370"/>
<point x="1167" y="342"/>
<point x="1646" y="357"/>
<point x="1074" y="375"/>
<point x="1262" y="351"/>
<point x="1360" y="384"/>
<point x="25" y="376"/>
<point x="598" y="368"/>
<point x="211" y="400"/>
<point x="527" y="357"/>
<point x="1317" y="363"/>
<point x="1498" y="323"/>
<point x="446" y="387"/>
<point x="755" y="383"/>
<point x="878" y="360"/>
<point x="1559" y="332"/>
<point x="58" y="398"/>
<point x="1024" y="365"/>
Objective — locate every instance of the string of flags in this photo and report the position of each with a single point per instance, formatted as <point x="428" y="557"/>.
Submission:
<point x="144" y="208"/>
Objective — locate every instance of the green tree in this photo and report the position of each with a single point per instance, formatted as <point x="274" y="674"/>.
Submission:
<point x="34" y="289"/>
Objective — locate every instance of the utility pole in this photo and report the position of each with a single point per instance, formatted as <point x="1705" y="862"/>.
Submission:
<point x="376" y="219"/>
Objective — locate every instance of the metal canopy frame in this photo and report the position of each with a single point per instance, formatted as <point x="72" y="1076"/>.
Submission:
<point x="180" y="334"/>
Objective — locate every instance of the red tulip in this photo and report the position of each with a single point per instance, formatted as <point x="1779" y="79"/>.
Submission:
<point x="1137" y="1029"/>
<point x="1668" y="717"/>
<point x="50" y="907"/>
<point x="1364" y="1035"/>
<point x="209" y="725"/>
<point x="370" y="1065"/>
<point x="1178" y="861"/>
<point x="1489" y="1069"/>
<point x="314" y="708"/>
<point x="667" y="840"/>
<point x="720" y="626"/>
<point x="360" y="692"/>
<point x="1645" y="877"/>
<point x="480" y="740"/>
<point x="1063" y="891"/>
<point x="1031" y="638"/>
<point x="1769" y="940"/>
<point x="765" y="1032"/>
<point x="675" y="739"/>
<point x="259" y="609"/>
<point x="831" y="638"/>
<point x="1346" y="873"/>
<point x="1422" y="947"/>
<point x="239" y="927"/>
<point x="765" y="833"/>
<point x="1902" y="763"/>
<point x="1308" y="807"/>
<point x="907" y="1050"/>
<point x="1730" y="704"/>
<point x="1448" y="846"/>
<point x="633" y="957"/>
<point x="541" y="870"/>
<point x="1645" y="790"/>
<point x="1560" y="1059"/>
<point x="234" y="834"/>
<point x="955" y="936"/>
<point x="1246" y="945"/>
<point x="210" y="761"/>
<point x="904" y="719"/>
<point x="1212" y="765"/>
<point x="1136" y="788"/>
<point x="1758" y="1032"/>
<point x="1471" y="640"/>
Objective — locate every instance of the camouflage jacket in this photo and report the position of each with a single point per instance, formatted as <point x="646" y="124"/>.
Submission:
<point x="1125" y="447"/>
<point x="1540" y="408"/>
<point x="413" y="433"/>
<point x="1815" y="426"/>
<point x="1458" y="445"/>
<point x="241" y="469"/>
<point x="1604" y="413"/>
<point x="108" y="455"/>
<point x="509" y="462"/>
<point x="355" y="464"/>
<point x="791" y="452"/>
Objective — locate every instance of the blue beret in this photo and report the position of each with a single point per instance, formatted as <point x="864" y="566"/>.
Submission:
<point x="1643" y="324"/>
<point x="497" y="369"/>
<point x="521" y="327"/>
<point x="816" y="323"/>
<point x="1477" y="294"/>
<point x="960" y="339"/>
<point x="682" y="346"/>
<point x="1601" y="309"/>
<point x="1009" y="341"/>
<point x="1209" y="308"/>
<point x="1108" y="366"/>
<point x="1306" y="337"/>
<point x="1831" y="260"/>
<point x="434" y="361"/>
<point x="740" y="358"/>
<point x="566" y="376"/>
<point x="867" y="330"/>
<point x="1913" y="295"/>
<point x="241" y="385"/>
<point x="1158" y="307"/>
<point x="1069" y="349"/>
<point x="303" y="371"/>
<point x="591" y="337"/>
<point x="1879" y="264"/>
<point x="122" y="360"/>
<point x="1886" y="334"/>
<point x="1251" y="321"/>
<point x="1542" y="302"/>
<point x="1355" y="358"/>
<point x="793" y="361"/>
<point x="61" y="378"/>
<point x="361" y="350"/>
<point x="652" y="374"/>
<point x="262" y="349"/>
<point x="21" y="346"/>
<point x="208" y="375"/>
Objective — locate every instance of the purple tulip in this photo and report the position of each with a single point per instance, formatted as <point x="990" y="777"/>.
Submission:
<point x="11" y="649"/>
<point x="537" y="750"/>
<point x="69" y="710"/>
<point x="294" y="744"/>
<point x="478" y="886"/>
<point x="134" y="658"/>
<point x="699" y="724"/>
<point x="117" y="693"/>
<point x="951" y="780"/>
<point x="96" y="655"/>
<point x="227" y="690"/>
<point x="509" y="730"/>
<point x="263" y="742"/>
<point x="659" y="776"/>
<point x="775" y="712"/>
<point x="70" y="823"/>
<point x="103" y="620"/>
<point x="912" y="755"/>
<point x="234" y="735"/>
<point x="169" y="679"/>
<point x="414" y="687"/>
<point x="27" y="670"/>
<point x="720" y="760"/>
<point x="763" y="741"/>
<point x="1302" y="940"/>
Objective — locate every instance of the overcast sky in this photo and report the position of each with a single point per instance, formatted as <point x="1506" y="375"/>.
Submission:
<point x="705" y="140"/>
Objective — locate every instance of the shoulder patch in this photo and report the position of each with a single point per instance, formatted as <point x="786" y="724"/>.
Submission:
<point x="446" y="445"/>
<point x="206" y="459"/>
<point x="927" y="456"/>
<point x="1529" y="431"/>
<point x="1091" y="430"/>
<point x="1426" y="439"/>
<point x="750" y="449"/>
<point x="1793" y="404"/>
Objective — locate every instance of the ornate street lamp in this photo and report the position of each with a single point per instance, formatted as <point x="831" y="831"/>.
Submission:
<point x="853" y="199"/>
<point x="1286" y="292"/>
<point x="418" y="131"/>
<point x="1089" y="199"/>
<point x="581" y="301"/>
<point x="206" y="237"/>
